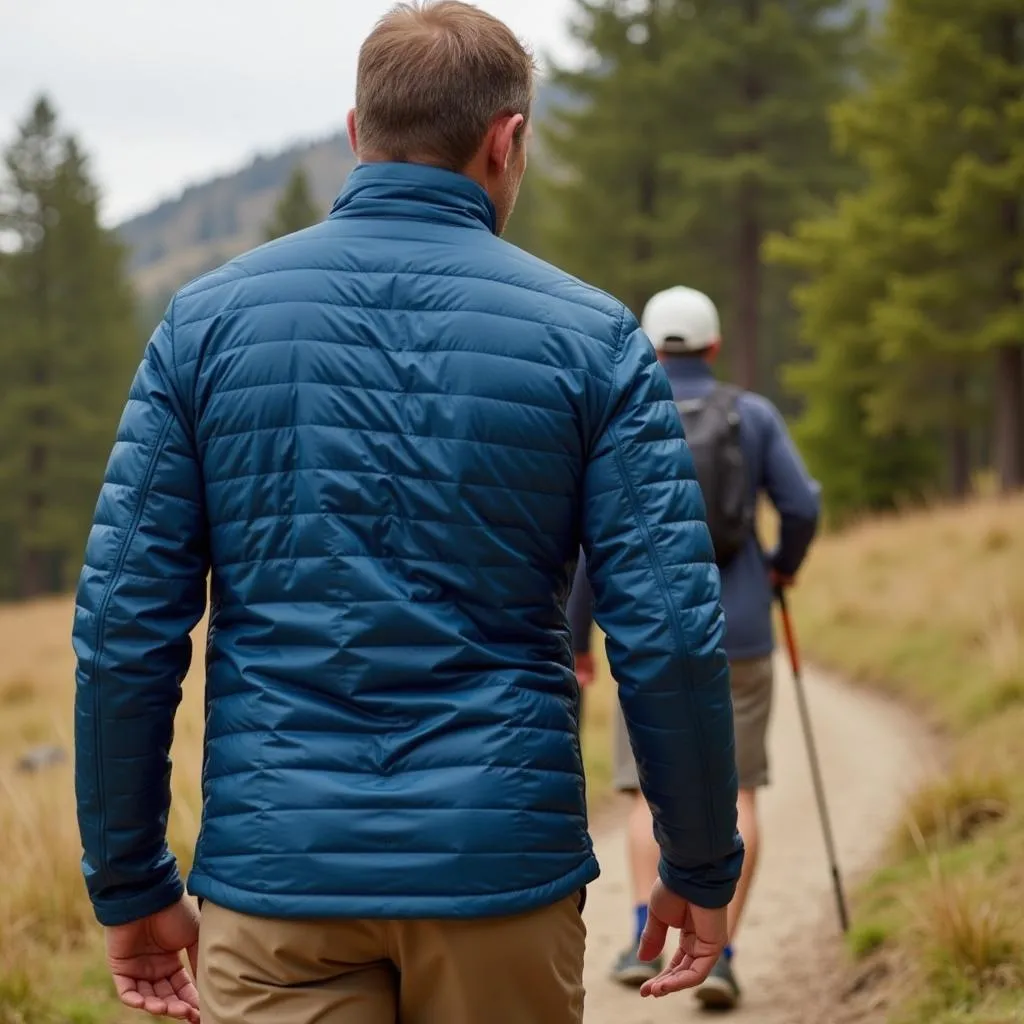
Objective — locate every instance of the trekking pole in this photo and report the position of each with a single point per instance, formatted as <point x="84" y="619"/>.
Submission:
<point x="812" y="754"/>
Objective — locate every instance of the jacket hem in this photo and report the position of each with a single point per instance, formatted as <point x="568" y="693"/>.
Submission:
<point x="392" y="905"/>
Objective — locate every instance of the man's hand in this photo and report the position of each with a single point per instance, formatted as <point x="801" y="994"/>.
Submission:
<point x="145" y="960"/>
<point x="702" y="937"/>
<point x="778" y="580"/>
<point x="584" y="668"/>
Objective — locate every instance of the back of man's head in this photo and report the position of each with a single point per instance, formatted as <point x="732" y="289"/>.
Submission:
<point x="432" y="78"/>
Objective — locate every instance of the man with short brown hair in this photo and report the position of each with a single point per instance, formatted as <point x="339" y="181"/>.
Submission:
<point x="384" y="440"/>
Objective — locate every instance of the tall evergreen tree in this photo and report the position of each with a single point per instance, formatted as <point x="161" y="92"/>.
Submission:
<point x="703" y="128"/>
<point x="864" y="462"/>
<point x="68" y="347"/>
<point x="295" y="208"/>
<point x="940" y="135"/>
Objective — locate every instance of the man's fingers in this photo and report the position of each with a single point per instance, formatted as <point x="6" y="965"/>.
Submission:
<point x="132" y="999"/>
<point x="166" y="997"/>
<point x="128" y="992"/>
<point x="652" y="942"/>
<point x="179" y="1009"/>
<point x="690" y="973"/>
<point x="183" y="988"/>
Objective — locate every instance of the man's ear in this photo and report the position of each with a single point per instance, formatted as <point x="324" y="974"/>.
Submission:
<point x="506" y="134"/>
<point x="353" y="135"/>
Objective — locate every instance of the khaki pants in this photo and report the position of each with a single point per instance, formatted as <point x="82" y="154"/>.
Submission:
<point x="513" y="970"/>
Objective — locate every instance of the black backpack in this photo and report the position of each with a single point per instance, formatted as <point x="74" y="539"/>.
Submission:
<point x="712" y="426"/>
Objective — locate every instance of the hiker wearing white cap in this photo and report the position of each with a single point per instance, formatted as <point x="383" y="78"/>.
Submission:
<point x="740" y="447"/>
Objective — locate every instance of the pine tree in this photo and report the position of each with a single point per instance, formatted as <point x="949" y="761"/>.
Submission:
<point x="295" y="208"/>
<point x="605" y="190"/>
<point x="940" y="133"/>
<point x="703" y="128"/>
<point x="68" y="348"/>
<point x="864" y="463"/>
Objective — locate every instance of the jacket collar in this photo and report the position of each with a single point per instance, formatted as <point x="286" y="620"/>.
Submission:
<point x="415" y="192"/>
<point x="684" y="370"/>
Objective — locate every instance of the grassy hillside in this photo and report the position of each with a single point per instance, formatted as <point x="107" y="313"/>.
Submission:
<point x="931" y="608"/>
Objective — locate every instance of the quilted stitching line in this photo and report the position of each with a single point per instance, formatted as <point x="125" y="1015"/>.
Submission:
<point x="101" y="619"/>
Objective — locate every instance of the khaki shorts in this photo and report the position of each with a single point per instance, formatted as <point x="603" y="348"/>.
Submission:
<point x="752" y="686"/>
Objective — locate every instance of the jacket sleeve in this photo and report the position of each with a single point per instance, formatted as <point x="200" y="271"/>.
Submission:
<point x="141" y="592"/>
<point x="795" y="495"/>
<point x="580" y="609"/>
<point x="657" y="599"/>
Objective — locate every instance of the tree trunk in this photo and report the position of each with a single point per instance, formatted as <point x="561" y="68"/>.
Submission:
<point x="1009" y="417"/>
<point x="959" y="439"/>
<point x="643" y="249"/>
<point x="30" y="578"/>
<point x="1009" y="389"/>
<point x="959" y="464"/>
<point x="746" y="347"/>
<point x="35" y="563"/>
<point x="646" y="185"/>
<point x="748" y="320"/>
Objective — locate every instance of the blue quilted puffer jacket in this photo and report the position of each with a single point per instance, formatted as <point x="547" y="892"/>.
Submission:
<point x="383" y="440"/>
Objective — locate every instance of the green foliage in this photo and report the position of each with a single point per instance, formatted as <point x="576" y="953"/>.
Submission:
<point x="862" y="465"/>
<point x="68" y="346"/>
<point x="295" y="209"/>
<point x="913" y="314"/>
<point x="865" y="939"/>
<point x="700" y="125"/>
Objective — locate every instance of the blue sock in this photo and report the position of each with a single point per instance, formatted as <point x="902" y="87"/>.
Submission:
<point x="641" y="919"/>
<point x="727" y="953"/>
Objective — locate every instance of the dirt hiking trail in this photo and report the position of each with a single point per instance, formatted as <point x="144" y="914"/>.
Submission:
<point x="872" y="754"/>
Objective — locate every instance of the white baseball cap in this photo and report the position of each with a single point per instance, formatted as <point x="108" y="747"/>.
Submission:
<point x="682" y="317"/>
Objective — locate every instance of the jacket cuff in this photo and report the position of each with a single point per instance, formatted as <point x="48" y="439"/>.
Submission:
<point x="795" y="538"/>
<point x="711" y="886"/>
<point x="124" y="909"/>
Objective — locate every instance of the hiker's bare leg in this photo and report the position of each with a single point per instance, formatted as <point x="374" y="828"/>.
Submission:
<point x="746" y="808"/>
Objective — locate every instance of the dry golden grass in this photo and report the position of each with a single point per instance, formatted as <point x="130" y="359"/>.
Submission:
<point x="930" y="607"/>
<point x="48" y="936"/>
<point x="952" y="809"/>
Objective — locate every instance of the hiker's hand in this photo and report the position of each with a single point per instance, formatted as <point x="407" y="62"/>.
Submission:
<point x="780" y="581"/>
<point x="584" y="668"/>
<point x="145" y="960"/>
<point x="703" y="934"/>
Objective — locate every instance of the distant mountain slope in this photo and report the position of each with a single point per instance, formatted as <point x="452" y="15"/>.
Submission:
<point x="214" y="220"/>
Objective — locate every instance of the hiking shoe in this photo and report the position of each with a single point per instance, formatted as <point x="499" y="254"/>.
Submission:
<point x="720" y="991"/>
<point x="631" y="971"/>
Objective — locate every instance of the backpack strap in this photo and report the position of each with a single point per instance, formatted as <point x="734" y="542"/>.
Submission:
<point x="726" y="397"/>
<point x="685" y="405"/>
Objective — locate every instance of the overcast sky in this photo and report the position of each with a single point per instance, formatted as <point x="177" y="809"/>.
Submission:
<point x="166" y="92"/>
